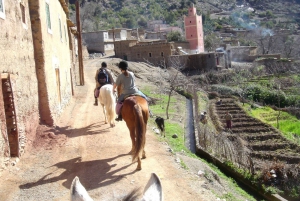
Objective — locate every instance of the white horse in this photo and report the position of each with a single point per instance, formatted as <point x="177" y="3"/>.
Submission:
<point x="108" y="102"/>
<point x="152" y="191"/>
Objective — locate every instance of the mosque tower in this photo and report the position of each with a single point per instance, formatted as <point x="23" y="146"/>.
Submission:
<point x="194" y="31"/>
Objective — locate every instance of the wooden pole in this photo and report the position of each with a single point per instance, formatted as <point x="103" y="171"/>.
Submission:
<point x="80" y="59"/>
<point x="114" y="40"/>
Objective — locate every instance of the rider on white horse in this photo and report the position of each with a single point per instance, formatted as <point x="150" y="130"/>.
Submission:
<point x="99" y="85"/>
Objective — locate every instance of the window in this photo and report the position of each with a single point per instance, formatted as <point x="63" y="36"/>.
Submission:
<point x="60" y="32"/>
<point x="23" y="16"/>
<point x="162" y="54"/>
<point x="48" y="17"/>
<point x="138" y="55"/>
<point x="2" y="9"/>
<point x="23" y="13"/>
<point x="65" y="33"/>
<point x="150" y="55"/>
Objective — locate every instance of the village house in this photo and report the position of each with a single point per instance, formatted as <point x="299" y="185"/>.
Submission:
<point x="37" y="64"/>
<point x="103" y="41"/>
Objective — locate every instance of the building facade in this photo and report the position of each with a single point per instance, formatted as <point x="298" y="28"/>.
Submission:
<point x="37" y="59"/>
<point x="194" y="30"/>
<point x="19" y="85"/>
<point x="103" y="41"/>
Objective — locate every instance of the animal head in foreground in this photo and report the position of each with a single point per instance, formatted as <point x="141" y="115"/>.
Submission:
<point x="152" y="191"/>
<point x="160" y="122"/>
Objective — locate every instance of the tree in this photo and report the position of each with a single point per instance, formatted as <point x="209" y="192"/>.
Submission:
<point x="211" y="42"/>
<point x="174" y="36"/>
<point x="264" y="39"/>
<point x="173" y="76"/>
<point x="142" y="22"/>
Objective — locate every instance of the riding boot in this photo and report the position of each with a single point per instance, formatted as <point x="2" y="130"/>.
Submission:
<point x="119" y="117"/>
<point x="96" y="102"/>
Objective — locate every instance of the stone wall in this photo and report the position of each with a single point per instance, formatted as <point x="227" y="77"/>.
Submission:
<point x="18" y="67"/>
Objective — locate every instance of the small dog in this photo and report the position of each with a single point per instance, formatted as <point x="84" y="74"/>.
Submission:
<point x="160" y="122"/>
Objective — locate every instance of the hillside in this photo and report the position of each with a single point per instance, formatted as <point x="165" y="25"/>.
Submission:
<point x="104" y="14"/>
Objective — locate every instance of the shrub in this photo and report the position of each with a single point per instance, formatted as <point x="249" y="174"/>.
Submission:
<point x="213" y="94"/>
<point x="226" y="90"/>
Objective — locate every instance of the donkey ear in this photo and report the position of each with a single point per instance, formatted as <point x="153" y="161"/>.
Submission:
<point x="153" y="189"/>
<point x="78" y="192"/>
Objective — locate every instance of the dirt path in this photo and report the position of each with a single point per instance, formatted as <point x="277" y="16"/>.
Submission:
<point x="82" y="145"/>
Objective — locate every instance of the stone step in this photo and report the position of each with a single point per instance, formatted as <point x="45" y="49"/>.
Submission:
<point x="264" y="146"/>
<point x="284" y="156"/>
<point x="262" y="136"/>
<point x="242" y="130"/>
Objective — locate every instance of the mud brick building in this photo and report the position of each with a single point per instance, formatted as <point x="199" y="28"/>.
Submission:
<point x="36" y="63"/>
<point x="103" y="41"/>
<point x="155" y="52"/>
<point x="202" y="62"/>
<point x="243" y="53"/>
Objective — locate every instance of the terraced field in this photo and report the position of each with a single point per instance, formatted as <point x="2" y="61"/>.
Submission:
<point x="265" y="143"/>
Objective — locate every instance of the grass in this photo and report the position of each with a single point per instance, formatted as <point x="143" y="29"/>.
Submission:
<point x="289" y="125"/>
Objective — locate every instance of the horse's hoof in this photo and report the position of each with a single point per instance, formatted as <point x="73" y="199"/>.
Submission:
<point x="138" y="168"/>
<point x="143" y="157"/>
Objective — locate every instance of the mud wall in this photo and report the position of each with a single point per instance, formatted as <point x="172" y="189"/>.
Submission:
<point x="53" y="60"/>
<point x="156" y="53"/>
<point x="202" y="62"/>
<point x="94" y="41"/>
<point x="243" y="53"/>
<point x="17" y="65"/>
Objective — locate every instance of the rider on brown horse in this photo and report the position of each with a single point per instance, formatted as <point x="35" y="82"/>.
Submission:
<point x="126" y="81"/>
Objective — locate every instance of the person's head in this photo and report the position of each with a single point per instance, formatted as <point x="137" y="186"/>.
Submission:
<point x="103" y="64"/>
<point x="204" y="112"/>
<point x="123" y="65"/>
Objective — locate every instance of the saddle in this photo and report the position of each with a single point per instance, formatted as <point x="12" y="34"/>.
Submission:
<point x="135" y="94"/>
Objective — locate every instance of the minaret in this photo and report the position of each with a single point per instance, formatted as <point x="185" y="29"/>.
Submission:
<point x="194" y="30"/>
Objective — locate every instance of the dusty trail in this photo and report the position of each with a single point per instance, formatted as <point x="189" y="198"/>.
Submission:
<point x="82" y="145"/>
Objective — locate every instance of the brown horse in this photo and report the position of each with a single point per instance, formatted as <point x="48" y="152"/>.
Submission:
<point x="135" y="113"/>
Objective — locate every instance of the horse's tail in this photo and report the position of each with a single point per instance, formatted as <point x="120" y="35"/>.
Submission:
<point x="140" y="130"/>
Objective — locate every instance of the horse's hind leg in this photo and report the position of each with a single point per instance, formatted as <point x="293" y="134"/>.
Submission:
<point x="139" y="166"/>
<point x="143" y="154"/>
<point x="104" y="112"/>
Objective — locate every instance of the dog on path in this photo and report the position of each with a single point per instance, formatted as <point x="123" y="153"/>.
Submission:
<point x="160" y="122"/>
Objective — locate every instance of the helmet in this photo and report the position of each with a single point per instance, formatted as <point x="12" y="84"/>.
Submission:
<point x="103" y="64"/>
<point x="123" y="65"/>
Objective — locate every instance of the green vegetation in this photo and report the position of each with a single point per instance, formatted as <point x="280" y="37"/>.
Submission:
<point x="174" y="36"/>
<point x="288" y="124"/>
